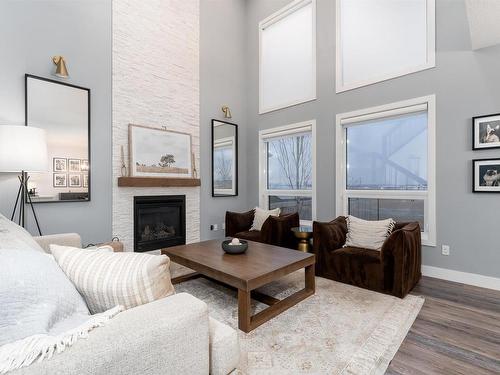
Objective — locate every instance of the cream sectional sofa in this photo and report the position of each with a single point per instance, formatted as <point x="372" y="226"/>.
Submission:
<point x="173" y="335"/>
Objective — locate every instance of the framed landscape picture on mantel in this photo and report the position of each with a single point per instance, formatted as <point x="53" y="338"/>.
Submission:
<point x="155" y="152"/>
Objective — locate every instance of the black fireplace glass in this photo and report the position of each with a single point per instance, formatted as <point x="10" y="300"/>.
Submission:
<point x="159" y="222"/>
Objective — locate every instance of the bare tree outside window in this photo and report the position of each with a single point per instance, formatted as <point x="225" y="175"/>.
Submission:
<point x="223" y="168"/>
<point x="290" y="168"/>
<point x="291" y="158"/>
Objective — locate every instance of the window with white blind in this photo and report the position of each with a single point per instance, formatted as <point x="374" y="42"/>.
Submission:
<point x="382" y="39"/>
<point x="287" y="169"/>
<point x="386" y="164"/>
<point x="287" y="56"/>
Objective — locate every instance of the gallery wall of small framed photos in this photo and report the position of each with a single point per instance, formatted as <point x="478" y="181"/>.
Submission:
<point x="70" y="173"/>
<point x="486" y="136"/>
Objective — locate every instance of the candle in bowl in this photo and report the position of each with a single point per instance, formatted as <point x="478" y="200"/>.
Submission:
<point x="235" y="241"/>
<point x="234" y="246"/>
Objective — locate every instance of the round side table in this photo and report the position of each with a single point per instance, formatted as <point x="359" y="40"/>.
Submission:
<point x="304" y="234"/>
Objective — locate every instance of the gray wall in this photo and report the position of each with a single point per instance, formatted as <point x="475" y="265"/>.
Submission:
<point x="222" y="81"/>
<point x="465" y="83"/>
<point x="31" y="31"/>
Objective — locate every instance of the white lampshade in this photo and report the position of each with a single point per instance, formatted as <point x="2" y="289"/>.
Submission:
<point x="23" y="148"/>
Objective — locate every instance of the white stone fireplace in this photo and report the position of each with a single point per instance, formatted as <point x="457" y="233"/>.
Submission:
<point x="155" y="83"/>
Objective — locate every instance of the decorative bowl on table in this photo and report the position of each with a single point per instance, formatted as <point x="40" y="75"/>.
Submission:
<point x="234" y="247"/>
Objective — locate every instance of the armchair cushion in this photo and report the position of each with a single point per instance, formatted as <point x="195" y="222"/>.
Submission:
<point x="356" y="266"/>
<point x="238" y="222"/>
<point x="277" y="230"/>
<point x="249" y="235"/>
<point x="329" y="236"/>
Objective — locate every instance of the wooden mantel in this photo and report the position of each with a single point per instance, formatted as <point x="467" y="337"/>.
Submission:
<point x="157" y="182"/>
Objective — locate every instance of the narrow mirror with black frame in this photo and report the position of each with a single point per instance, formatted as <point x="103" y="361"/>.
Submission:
<point x="63" y="111"/>
<point x="224" y="159"/>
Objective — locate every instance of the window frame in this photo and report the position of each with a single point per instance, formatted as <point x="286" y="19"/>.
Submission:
<point x="268" y="21"/>
<point x="340" y="86"/>
<point x="343" y="121"/>
<point x="264" y="192"/>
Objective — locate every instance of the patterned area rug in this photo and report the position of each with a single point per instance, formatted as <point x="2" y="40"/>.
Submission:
<point x="340" y="330"/>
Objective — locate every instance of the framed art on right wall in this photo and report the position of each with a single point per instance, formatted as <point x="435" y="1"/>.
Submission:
<point x="486" y="175"/>
<point x="486" y="132"/>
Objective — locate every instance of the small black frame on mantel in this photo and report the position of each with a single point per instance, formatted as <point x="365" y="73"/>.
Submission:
<point x="486" y="132"/>
<point x="486" y="175"/>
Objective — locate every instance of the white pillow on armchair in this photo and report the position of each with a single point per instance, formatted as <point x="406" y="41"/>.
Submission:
<point x="261" y="216"/>
<point x="368" y="234"/>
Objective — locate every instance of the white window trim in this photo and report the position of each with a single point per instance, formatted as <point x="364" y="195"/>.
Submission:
<point x="431" y="53"/>
<point x="221" y="142"/>
<point x="407" y="106"/>
<point x="264" y="193"/>
<point x="273" y="18"/>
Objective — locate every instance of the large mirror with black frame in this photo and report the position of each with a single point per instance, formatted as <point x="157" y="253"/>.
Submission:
<point x="63" y="110"/>
<point x="224" y="159"/>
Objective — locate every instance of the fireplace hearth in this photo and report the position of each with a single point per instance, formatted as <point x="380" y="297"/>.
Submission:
<point x="159" y="222"/>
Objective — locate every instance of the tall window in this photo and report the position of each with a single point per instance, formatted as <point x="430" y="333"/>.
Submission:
<point x="287" y="56"/>
<point x="383" y="39"/>
<point x="287" y="169"/>
<point x="386" y="163"/>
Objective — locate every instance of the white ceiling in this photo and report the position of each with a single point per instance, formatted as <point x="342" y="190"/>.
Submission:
<point x="484" y="22"/>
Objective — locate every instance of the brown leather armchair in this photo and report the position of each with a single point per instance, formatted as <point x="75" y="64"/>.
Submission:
<point x="276" y="230"/>
<point x="395" y="269"/>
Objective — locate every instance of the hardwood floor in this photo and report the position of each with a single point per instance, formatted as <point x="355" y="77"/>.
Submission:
<point x="456" y="332"/>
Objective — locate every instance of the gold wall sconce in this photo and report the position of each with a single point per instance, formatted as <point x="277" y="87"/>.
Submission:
<point x="61" y="70"/>
<point x="226" y="111"/>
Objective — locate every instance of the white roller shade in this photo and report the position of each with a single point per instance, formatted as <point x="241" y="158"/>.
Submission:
<point x="288" y="56"/>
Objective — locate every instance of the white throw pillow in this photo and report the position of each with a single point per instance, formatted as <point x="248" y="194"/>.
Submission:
<point x="261" y="216"/>
<point x="36" y="297"/>
<point x="106" y="279"/>
<point x="42" y="313"/>
<point x="368" y="234"/>
<point x="13" y="236"/>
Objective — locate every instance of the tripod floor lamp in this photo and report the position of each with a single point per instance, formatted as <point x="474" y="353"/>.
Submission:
<point x="23" y="149"/>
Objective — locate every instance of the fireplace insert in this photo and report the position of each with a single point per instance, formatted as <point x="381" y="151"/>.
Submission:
<point x="159" y="221"/>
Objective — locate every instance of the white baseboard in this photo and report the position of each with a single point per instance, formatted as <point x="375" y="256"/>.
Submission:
<point x="488" y="282"/>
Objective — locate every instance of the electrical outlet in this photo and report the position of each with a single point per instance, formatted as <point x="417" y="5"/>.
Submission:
<point x="223" y="226"/>
<point x="445" y="250"/>
<point x="214" y="227"/>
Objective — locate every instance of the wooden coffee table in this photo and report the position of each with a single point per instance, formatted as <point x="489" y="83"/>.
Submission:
<point x="258" y="266"/>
